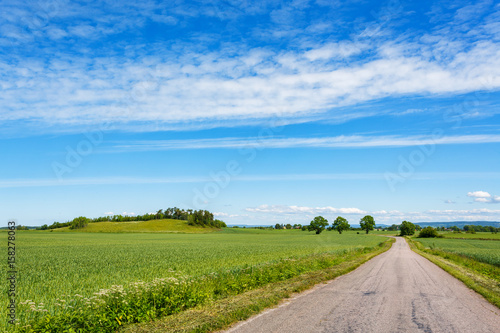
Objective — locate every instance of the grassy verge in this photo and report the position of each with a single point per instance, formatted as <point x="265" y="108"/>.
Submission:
<point x="221" y="313"/>
<point x="480" y="277"/>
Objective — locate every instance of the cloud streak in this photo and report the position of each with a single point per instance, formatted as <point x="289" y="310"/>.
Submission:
<point x="96" y="181"/>
<point x="354" y="141"/>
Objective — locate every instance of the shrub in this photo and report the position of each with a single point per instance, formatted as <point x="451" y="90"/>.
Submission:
<point x="428" y="232"/>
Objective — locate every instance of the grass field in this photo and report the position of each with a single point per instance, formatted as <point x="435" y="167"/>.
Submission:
<point x="53" y="265"/>
<point x="478" y="235"/>
<point x="481" y="250"/>
<point x="167" y="226"/>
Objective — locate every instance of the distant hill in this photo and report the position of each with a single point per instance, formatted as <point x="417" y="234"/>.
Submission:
<point x="459" y="224"/>
<point x="164" y="226"/>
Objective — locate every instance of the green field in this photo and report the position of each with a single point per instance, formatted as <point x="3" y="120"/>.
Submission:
<point x="482" y="250"/>
<point x="168" y="226"/>
<point x="477" y="235"/>
<point x="54" y="265"/>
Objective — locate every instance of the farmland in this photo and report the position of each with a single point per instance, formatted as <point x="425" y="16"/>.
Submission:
<point x="477" y="235"/>
<point x="480" y="250"/>
<point x="61" y="265"/>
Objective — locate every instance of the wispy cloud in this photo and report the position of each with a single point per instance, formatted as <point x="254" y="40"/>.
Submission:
<point x="53" y="182"/>
<point x="354" y="141"/>
<point x="195" y="82"/>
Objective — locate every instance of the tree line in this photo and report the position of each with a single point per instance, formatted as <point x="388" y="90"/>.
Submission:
<point x="202" y="218"/>
<point x="319" y="223"/>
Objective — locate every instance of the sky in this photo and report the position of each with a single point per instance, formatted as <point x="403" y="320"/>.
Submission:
<point x="262" y="112"/>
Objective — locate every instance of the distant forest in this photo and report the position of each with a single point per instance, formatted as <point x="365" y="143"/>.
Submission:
<point x="202" y="218"/>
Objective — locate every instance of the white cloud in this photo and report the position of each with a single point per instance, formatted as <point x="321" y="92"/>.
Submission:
<point x="479" y="194"/>
<point x="485" y="197"/>
<point x="222" y="215"/>
<point x="109" y="214"/>
<point x="281" y="209"/>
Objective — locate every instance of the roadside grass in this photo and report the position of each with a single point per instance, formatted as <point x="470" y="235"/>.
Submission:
<point x="58" y="266"/>
<point x="481" y="277"/>
<point x="223" y="313"/>
<point x="166" y="226"/>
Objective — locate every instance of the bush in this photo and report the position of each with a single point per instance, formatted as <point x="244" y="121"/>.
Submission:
<point x="407" y="228"/>
<point x="428" y="232"/>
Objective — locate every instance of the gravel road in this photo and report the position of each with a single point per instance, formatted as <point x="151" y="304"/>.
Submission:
<point x="397" y="291"/>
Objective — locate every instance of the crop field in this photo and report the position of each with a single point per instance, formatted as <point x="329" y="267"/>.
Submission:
<point x="477" y="235"/>
<point x="55" y="268"/>
<point x="482" y="250"/>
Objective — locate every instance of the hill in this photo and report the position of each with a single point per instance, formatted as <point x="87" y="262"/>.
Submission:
<point x="164" y="226"/>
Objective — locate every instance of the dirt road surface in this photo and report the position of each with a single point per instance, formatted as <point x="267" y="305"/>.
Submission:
<point x="397" y="291"/>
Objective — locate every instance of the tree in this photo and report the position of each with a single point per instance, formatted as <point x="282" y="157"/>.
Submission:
<point x="367" y="223"/>
<point x="79" y="222"/>
<point x="288" y="226"/>
<point x="340" y="224"/>
<point x="407" y="228"/>
<point x="428" y="232"/>
<point x="277" y="226"/>
<point x="318" y="224"/>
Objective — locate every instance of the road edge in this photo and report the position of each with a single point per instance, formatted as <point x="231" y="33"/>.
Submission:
<point x="473" y="280"/>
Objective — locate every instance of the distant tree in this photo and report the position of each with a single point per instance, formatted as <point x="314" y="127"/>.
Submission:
<point x="79" y="222"/>
<point x="304" y="228"/>
<point x="407" y="228"/>
<point x="277" y="226"/>
<point x="428" y="232"/>
<point x="340" y="224"/>
<point x="318" y="224"/>
<point x="288" y="226"/>
<point x="44" y="227"/>
<point x="367" y="223"/>
<point x="393" y="227"/>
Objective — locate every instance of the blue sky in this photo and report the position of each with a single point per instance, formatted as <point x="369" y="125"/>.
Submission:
<point x="263" y="112"/>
